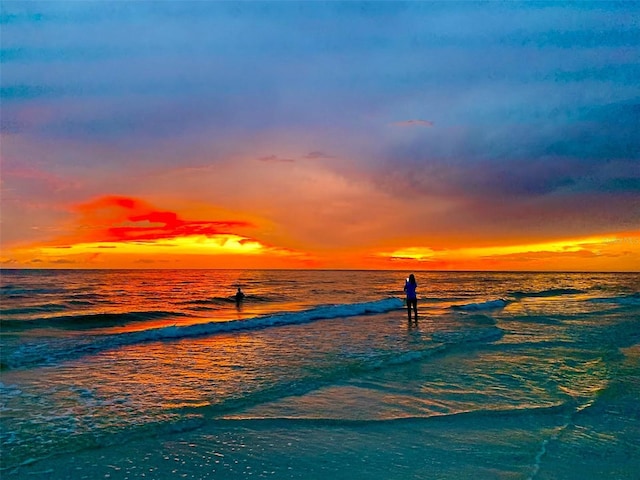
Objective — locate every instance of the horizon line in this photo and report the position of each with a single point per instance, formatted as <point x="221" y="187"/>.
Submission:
<point x="322" y="270"/>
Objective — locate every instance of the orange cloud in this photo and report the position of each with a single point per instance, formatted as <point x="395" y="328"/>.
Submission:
<point x="120" y="232"/>
<point x="118" y="219"/>
<point x="609" y="252"/>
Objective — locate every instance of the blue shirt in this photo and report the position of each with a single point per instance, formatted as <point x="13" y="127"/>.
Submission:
<point x="410" y="288"/>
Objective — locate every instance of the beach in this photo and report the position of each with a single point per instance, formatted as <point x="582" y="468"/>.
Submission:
<point x="318" y="374"/>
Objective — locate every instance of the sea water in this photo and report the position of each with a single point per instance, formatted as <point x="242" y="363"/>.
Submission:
<point x="319" y="374"/>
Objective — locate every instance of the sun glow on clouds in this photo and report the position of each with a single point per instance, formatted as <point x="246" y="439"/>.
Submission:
<point x="410" y="253"/>
<point x="125" y="232"/>
<point x="116" y="225"/>
<point x="120" y="219"/>
<point x="222" y="244"/>
<point x="611" y="245"/>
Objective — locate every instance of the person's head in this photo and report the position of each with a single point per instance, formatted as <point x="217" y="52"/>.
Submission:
<point x="412" y="279"/>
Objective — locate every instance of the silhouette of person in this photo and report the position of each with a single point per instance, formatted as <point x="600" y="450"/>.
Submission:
<point x="239" y="297"/>
<point x="412" y="299"/>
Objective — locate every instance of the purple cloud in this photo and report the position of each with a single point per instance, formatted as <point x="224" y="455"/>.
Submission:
<point x="317" y="155"/>
<point x="413" y="123"/>
<point x="276" y="159"/>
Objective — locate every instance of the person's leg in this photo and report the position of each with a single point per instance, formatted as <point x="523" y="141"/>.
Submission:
<point x="415" y="308"/>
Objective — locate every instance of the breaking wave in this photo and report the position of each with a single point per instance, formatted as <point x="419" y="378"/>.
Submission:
<point x="34" y="354"/>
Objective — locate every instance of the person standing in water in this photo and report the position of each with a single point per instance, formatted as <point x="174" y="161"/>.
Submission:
<point x="412" y="299"/>
<point x="239" y="297"/>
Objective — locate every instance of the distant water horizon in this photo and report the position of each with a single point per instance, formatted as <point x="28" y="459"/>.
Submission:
<point x="328" y="270"/>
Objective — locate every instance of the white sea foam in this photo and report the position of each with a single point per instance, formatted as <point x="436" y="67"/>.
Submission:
<point x="289" y="318"/>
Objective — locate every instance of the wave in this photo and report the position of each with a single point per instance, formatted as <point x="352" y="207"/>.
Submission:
<point x="200" y="302"/>
<point x="488" y="305"/>
<point x="80" y="303"/>
<point x="552" y="292"/>
<point x="188" y="417"/>
<point x="32" y="354"/>
<point x="274" y="320"/>
<point x="633" y="299"/>
<point x="352" y="367"/>
<point x="45" y="308"/>
<point x="442" y="299"/>
<point x="211" y="301"/>
<point x="559" y="408"/>
<point x="542" y="319"/>
<point x="11" y="290"/>
<point x="87" y="321"/>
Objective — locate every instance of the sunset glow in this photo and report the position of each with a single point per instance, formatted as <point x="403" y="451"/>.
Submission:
<point x="416" y="135"/>
<point x="193" y="244"/>
<point x="605" y="248"/>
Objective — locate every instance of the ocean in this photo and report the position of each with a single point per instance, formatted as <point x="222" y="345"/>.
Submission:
<point x="158" y="374"/>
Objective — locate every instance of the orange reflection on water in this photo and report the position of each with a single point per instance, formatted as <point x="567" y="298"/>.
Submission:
<point x="196" y="372"/>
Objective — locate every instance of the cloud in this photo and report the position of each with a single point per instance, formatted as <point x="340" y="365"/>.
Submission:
<point x="594" y="251"/>
<point x="118" y="219"/>
<point x="601" y="133"/>
<point x="276" y="159"/>
<point x="148" y="261"/>
<point x="124" y="229"/>
<point x="27" y="176"/>
<point x="535" y="136"/>
<point x="410" y="253"/>
<point x="318" y="155"/>
<point x="315" y="155"/>
<point x="63" y="261"/>
<point x="413" y="123"/>
<point x="573" y="173"/>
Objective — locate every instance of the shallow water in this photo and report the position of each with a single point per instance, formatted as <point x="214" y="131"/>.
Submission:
<point x="319" y="374"/>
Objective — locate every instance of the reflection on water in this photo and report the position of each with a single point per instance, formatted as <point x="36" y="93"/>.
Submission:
<point x="552" y="345"/>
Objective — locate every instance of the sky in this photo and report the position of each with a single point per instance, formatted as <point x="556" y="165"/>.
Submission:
<point x="355" y="135"/>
